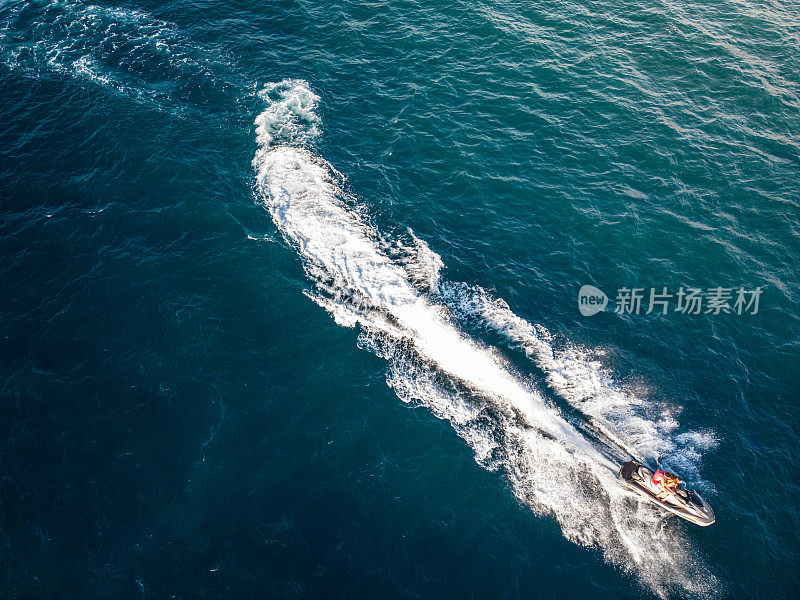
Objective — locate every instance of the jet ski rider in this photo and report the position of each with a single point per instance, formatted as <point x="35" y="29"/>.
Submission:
<point x="666" y="483"/>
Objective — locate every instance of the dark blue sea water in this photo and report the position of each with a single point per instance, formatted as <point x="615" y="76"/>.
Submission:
<point x="289" y="297"/>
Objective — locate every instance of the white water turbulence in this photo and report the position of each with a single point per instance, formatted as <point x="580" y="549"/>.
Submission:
<point x="510" y="425"/>
<point x="632" y="424"/>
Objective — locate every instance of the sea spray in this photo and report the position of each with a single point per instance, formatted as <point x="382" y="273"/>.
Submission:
<point x="432" y="362"/>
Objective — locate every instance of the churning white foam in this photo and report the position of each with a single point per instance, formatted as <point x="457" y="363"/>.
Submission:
<point x="627" y="419"/>
<point x="509" y="424"/>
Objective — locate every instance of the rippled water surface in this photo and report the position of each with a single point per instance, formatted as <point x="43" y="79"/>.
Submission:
<point x="289" y="298"/>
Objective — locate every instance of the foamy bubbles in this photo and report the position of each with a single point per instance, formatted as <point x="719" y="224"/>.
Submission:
<point x="414" y="320"/>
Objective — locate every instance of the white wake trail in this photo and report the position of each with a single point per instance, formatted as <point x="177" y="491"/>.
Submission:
<point x="628" y="419"/>
<point x="508" y="423"/>
<point x="124" y="50"/>
<point x="303" y="201"/>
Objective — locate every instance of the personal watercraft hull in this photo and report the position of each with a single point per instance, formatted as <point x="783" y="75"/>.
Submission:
<point x="687" y="504"/>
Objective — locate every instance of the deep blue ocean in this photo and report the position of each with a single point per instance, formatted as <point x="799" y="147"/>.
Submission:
<point x="289" y="298"/>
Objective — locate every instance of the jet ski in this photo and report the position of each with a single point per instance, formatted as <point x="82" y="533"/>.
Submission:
<point x="684" y="503"/>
